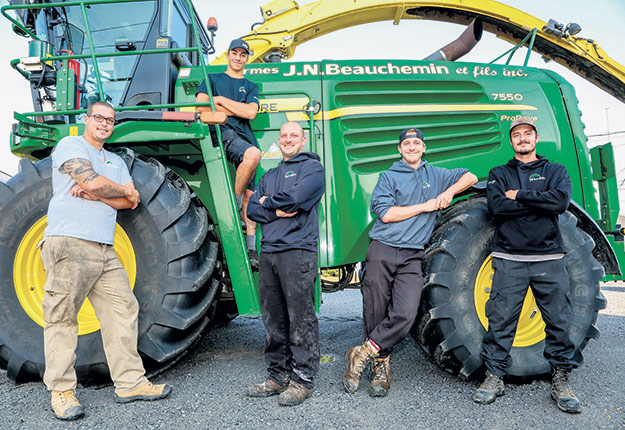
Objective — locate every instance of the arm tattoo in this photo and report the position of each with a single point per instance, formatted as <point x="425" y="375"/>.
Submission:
<point x="110" y="191"/>
<point x="79" y="169"/>
<point x="82" y="172"/>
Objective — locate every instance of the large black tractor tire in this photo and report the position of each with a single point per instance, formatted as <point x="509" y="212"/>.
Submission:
<point x="448" y="326"/>
<point x="178" y="270"/>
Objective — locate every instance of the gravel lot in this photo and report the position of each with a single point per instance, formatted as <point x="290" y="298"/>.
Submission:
<point x="209" y="387"/>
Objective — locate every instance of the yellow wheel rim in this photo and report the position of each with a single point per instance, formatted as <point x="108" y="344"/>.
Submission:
<point x="531" y="327"/>
<point x="29" y="276"/>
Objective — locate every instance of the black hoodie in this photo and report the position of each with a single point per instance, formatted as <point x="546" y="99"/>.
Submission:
<point x="295" y="185"/>
<point x="529" y="224"/>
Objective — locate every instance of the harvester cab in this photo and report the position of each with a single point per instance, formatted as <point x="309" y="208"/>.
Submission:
<point x="70" y="32"/>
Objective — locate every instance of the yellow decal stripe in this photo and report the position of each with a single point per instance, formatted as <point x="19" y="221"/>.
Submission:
<point x="388" y="109"/>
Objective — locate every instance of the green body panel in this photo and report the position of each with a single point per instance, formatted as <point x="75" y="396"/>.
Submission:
<point x="229" y="228"/>
<point x="604" y="173"/>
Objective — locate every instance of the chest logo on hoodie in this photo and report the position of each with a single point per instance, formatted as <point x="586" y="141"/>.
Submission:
<point x="536" y="177"/>
<point x="290" y="174"/>
<point x="426" y="185"/>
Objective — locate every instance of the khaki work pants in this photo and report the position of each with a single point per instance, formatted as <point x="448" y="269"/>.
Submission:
<point x="77" y="269"/>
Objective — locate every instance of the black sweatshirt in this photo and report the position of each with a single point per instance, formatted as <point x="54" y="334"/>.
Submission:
<point x="529" y="224"/>
<point x="295" y="185"/>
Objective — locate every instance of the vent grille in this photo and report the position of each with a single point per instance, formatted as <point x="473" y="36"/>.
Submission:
<point x="452" y="115"/>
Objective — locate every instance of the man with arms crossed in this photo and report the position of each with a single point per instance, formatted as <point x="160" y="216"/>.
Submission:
<point x="525" y="197"/>
<point x="405" y="201"/>
<point x="237" y="97"/>
<point x="89" y="185"/>
<point x="286" y="204"/>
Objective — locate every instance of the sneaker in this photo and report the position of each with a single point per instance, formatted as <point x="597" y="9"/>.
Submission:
<point x="148" y="392"/>
<point x="265" y="389"/>
<point x="491" y="388"/>
<point x="561" y="392"/>
<point x="66" y="406"/>
<point x="295" y="394"/>
<point x="357" y="359"/>
<point x="382" y="377"/>
<point x="254" y="262"/>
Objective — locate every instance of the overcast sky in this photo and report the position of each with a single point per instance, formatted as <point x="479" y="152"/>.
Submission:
<point x="411" y="39"/>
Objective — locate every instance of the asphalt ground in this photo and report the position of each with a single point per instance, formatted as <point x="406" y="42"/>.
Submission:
<point x="209" y="387"/>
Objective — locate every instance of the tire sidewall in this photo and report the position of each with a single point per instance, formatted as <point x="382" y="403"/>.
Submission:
<point x="20" y="333"/>
<point x="472" y="250"/>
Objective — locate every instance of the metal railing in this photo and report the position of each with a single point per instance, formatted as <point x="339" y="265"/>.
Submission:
<point x="83" y="4"/>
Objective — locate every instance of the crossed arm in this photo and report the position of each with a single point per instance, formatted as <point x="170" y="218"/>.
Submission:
<point x="93" y="186"/>
<point x="443" y="200"/>
<point x="227" y="106"/>
<point x="514" y="202"/>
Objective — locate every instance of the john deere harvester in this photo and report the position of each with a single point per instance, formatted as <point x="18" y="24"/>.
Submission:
<point x="183" y="246"/>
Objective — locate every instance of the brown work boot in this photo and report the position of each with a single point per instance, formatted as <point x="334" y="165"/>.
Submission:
<point x="381" y="378"/>
<point x="491" y="388"/>
<point x="66" y="406"/>
<point x="357" y="359"/>
<point x="562" y="394"/>
<point x="295" y="394"/>
<point x="265" y="389"/>
<point x="148" y="391"/>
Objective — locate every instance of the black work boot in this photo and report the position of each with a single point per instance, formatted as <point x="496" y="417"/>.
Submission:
<point x="357" y="359"/>
<point x="561" y="392"/>
<point x="491" y="388"/>
<point x="381" y="378"/>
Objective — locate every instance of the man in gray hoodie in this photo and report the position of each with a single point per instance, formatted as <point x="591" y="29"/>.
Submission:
<point x="405" y="201"/>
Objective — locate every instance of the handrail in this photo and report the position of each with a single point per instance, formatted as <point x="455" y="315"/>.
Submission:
<point x="115" y="54"/>
<point x="119" y="109"/>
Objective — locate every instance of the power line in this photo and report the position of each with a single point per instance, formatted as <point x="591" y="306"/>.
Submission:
<point x="611" y="133"/>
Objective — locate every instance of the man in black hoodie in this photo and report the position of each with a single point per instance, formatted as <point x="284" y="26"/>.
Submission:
<point x="525" y="197"/>
<point x="286" y="204"/>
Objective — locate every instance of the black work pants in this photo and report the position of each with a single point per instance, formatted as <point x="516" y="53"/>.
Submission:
<point x="549" y="282"/>
<point x="287" y="301"/>
<point x="391" y="292"/>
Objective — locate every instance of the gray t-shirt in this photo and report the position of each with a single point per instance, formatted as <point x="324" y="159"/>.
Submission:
<point x="75" y="216"/>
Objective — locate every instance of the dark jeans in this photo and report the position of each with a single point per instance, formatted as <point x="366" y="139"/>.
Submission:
<point x="287" y="301"/>
<point x="549" y="282"/>
<point x="390" y="293"/>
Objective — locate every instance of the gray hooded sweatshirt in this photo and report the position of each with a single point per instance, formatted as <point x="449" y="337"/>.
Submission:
<point x="402" y="185"/>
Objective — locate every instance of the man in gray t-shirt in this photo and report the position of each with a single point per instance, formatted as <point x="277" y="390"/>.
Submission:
<point x="89" y="185"/>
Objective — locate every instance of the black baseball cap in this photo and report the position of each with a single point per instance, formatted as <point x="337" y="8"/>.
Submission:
<point x="524" y="120"/>
<point x="411" y="132"/>
<point x="239" y="43"/>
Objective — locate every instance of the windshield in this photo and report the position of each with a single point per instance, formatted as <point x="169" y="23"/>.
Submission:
<point x="110" y="24"/>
